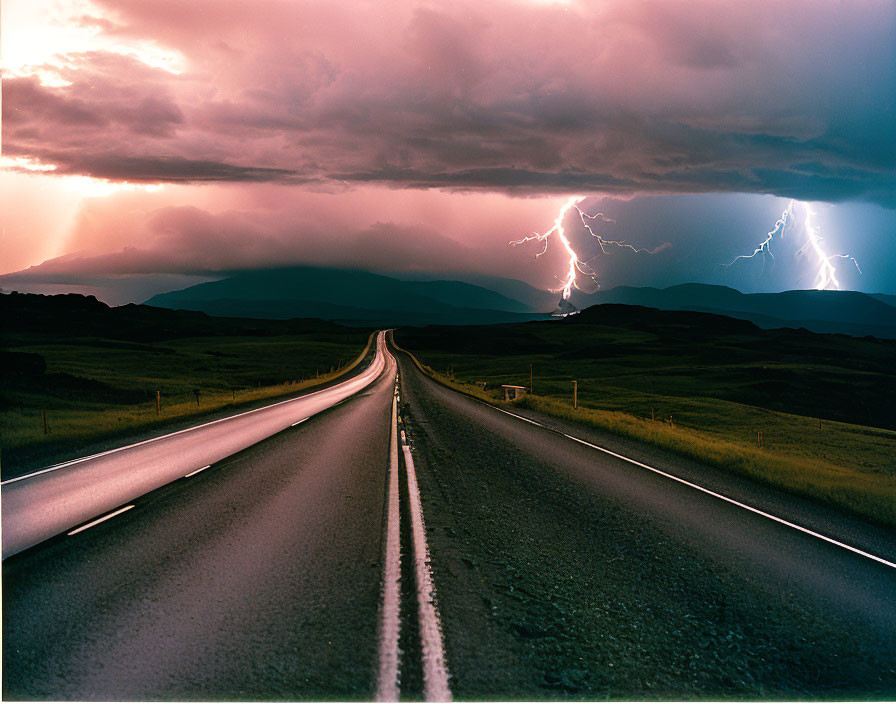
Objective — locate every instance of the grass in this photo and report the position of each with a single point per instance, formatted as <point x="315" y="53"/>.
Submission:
<point x="846" y="464"/>
<point x="99" y="388"/>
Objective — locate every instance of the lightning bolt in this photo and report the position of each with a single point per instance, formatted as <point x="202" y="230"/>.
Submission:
<point x="826" y="277"/>
<point x="827" y="273"/>
<point x="765" y="247"/>
<point x="576" y="266"/>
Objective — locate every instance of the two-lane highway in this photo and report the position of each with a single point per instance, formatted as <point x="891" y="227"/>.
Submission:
<point x="425" y="543"/>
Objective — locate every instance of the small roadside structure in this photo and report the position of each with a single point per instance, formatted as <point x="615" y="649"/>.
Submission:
<point x="512" y="393"/>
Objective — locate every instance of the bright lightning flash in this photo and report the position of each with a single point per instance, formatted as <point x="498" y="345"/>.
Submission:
<point x="576" y="265"/>
<point x="827" y="274"/>
<point x="826" y="278"/>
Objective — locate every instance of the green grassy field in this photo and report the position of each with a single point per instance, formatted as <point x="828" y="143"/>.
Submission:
<point x="99" y="386"/>
<point x="90" y="391"/>
<point x="809" y="395"/>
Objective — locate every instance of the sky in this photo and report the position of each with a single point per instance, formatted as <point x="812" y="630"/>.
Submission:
<point x="149" y="146"/>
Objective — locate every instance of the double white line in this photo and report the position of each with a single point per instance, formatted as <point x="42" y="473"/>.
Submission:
<point x="435" y="671"/>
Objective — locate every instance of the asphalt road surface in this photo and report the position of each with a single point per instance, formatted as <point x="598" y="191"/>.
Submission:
<point x="565" y="572"/>
<point x="557" y="572"/>
<point x="258" y="578"/>
<point x="42" y="504"/>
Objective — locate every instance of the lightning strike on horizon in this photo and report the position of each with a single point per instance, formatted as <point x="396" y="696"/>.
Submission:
<point x="827" y="273"/>
<point x="576" y="265"/>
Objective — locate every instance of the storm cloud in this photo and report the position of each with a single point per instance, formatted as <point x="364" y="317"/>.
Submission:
<point x="620" y="97"/>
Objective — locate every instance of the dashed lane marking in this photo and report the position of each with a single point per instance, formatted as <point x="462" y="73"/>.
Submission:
<point x="197" y="471"/>
<point x="100" y="520"/>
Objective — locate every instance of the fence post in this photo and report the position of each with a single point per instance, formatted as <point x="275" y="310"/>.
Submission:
<point x="575" y="394"/>
<point x="43" y="417"/>
<point x="531" y="380"/>
<point x="158" y="402"/>
<point x="196" y="393"/>
<point x="759" y="436"/>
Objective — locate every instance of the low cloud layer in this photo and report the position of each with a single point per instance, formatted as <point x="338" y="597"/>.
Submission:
<point x="620" y="97"/>
<point x="123" y="252"/>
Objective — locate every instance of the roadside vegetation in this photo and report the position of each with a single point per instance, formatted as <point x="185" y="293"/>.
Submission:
<point x="70" y="389"/>
<point x="703" y="387"/>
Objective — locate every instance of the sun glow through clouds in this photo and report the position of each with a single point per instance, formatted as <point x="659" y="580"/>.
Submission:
<point x="38" y="38"/>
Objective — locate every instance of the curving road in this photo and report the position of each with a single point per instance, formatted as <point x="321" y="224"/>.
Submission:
<point x="257" y="578"/>
<point x="42" y="504"/>
<point x="557" y="570"/>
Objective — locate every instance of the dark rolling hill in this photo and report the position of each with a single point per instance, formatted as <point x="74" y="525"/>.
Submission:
<point x="71" y="317"/>
<point x="345" y="296"/>
<point x="846" y="312"/>
<point x="685" y="353"/>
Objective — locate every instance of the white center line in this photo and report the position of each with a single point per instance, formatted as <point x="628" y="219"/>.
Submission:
<point x="197" y="471"/>
<point x="387" y="689"/>
<point x="435" y="671"/>
<point x="101" y="519"/>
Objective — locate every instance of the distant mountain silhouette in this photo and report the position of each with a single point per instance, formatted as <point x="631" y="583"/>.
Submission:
<point x="846" y="312"/>
<point x="887" y="298"/>
<point x="537" y="299"/>
<point x="346" y="296"/>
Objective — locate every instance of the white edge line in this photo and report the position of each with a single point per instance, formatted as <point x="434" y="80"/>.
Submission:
<point x="62" y="465"/>
<point x="388" y="682"/>
<point x="435" y="671"/>
<point x="299" y="421"/>
<point x="757" y="511"/>
<point x="197" y="471"/>
<point x="740" y="504"/>
<point x="101" y="519"/>
<point x="528" y="420"/>
<point x="735" y="502"/>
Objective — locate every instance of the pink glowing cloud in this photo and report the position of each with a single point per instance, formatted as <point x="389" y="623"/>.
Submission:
<point x="620" y="97"/>
<point x="389" y="135"/>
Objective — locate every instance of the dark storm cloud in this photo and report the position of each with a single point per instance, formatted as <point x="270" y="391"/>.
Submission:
<point x="622" y="97"/>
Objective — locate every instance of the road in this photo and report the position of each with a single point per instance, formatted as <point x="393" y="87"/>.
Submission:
<point x="42" y="504"/>
<point x="557" y="571"/>
<point x="591" y="577"/>
<point x="257" y="578"/>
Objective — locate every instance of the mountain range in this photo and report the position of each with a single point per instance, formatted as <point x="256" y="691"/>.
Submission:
<point x="845" y="312"/>
<point x="363" y="298"/>
<point x="348" y="297"/>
